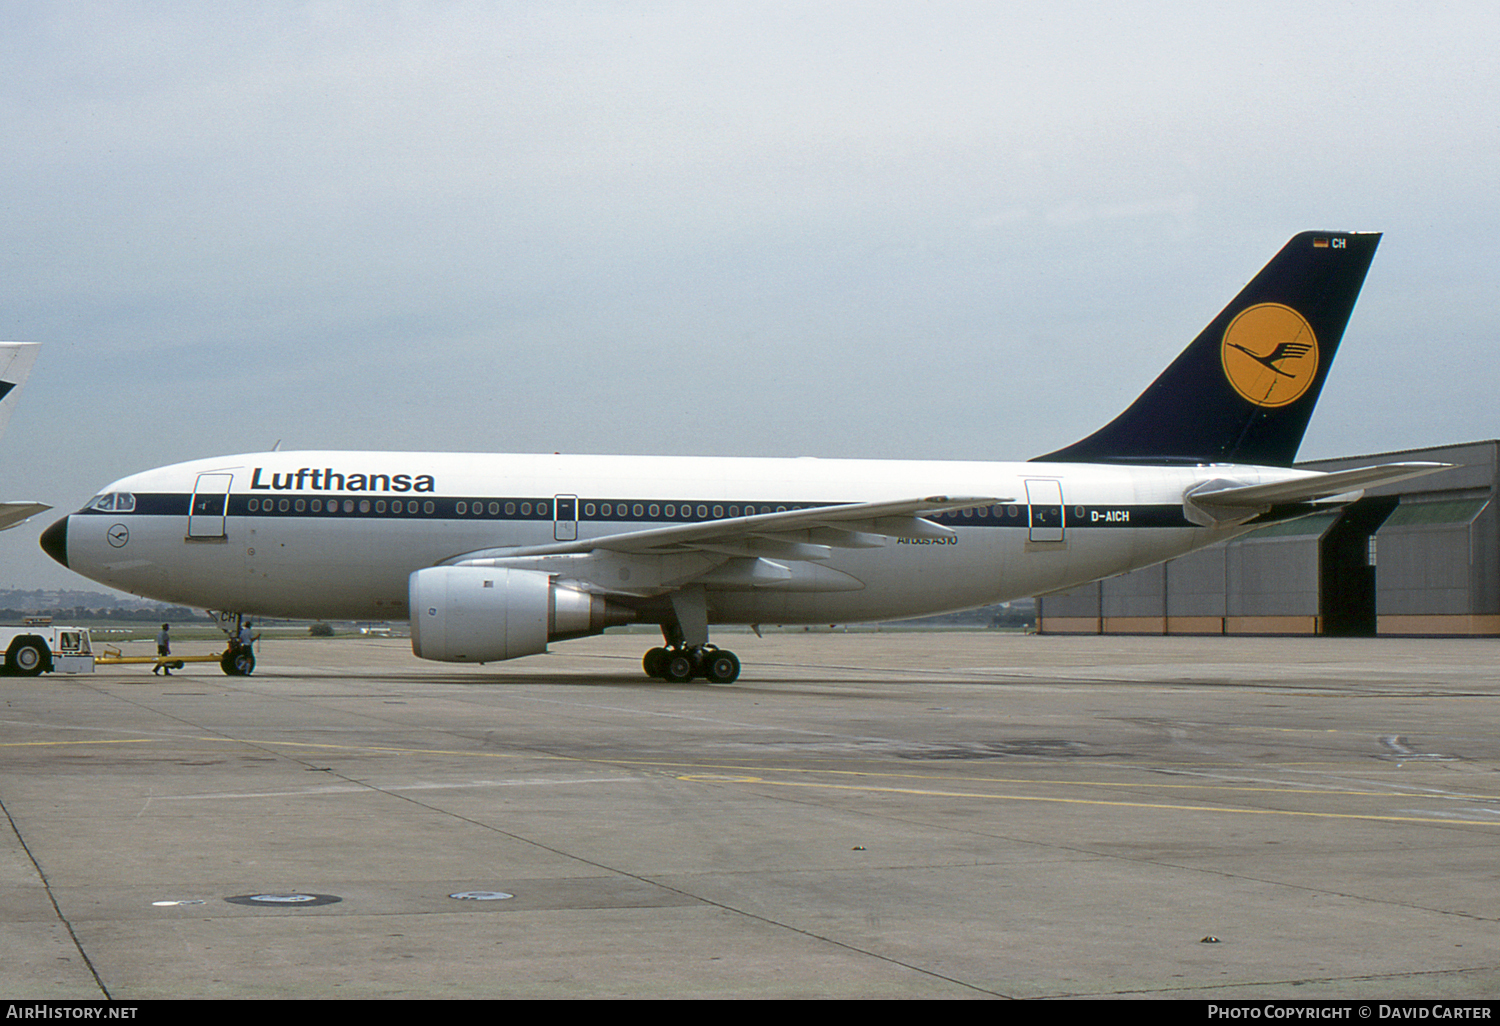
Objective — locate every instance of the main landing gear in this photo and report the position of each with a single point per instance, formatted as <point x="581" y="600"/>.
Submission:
<point x="681" y="663"/>
<point x="687" y="653"/>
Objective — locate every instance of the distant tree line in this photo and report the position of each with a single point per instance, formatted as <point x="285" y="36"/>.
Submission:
<point x="152" y="614"/>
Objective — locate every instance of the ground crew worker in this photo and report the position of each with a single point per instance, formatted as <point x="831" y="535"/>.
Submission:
<point x="163" y="648"/>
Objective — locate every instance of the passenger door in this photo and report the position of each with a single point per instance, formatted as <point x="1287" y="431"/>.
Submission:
<point x="1044" y="500"/>
<point x="565" y="517"/>
<point x="209" y="506"/>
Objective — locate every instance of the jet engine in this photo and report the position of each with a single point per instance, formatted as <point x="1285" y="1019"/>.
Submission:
<point x="469" y="614"/>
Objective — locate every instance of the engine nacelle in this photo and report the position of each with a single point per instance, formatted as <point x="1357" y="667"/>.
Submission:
<point x="470" y="614"/>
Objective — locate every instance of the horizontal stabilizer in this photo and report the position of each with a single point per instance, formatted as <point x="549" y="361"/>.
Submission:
<point x="1215" y="503"/>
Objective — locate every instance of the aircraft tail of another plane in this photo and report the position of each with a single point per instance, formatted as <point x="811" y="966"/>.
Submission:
<point x="1244" y="390"/>
<point x="16" y="359"/>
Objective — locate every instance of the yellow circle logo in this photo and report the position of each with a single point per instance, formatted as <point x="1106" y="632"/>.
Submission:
<point x="1270" y="354"/>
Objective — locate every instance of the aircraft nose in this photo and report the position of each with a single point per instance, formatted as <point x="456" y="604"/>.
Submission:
<point x="55" y="541"/>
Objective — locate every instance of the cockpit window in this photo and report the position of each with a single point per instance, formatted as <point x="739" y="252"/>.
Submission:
<point x="116" y="502"/>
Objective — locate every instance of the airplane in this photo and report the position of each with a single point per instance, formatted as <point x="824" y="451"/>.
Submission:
<point x="16" y="359"/>
<point x="493" y="557"/>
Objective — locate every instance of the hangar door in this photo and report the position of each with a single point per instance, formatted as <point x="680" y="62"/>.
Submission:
<point x="1346" y="569"/>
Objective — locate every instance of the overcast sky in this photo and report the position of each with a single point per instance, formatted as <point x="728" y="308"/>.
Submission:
<point x="915" y="230"/>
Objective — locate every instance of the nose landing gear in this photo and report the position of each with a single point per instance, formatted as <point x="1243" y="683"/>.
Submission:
<point x="238" y="659"/>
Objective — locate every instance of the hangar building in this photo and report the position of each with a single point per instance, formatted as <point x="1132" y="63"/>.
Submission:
<point x="1416" y="557"/>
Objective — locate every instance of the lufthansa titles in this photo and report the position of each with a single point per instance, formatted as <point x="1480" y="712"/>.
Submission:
<point x="330" y="480"/>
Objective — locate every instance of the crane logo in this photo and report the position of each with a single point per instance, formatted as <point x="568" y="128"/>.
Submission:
<point x="1270" y="354"/>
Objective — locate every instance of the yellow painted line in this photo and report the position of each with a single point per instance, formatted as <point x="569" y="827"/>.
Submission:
<point x="119" y="741"/>
<point x="299" y="744"/>
<point x="1138" y="805"/>
<point x="398" y="751"/>
<point x="735" y="774"/>
<point x="1140" y="785"/>
<point x="735" y="771"/>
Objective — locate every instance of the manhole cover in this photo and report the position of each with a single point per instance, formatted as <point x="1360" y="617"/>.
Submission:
<point x="284" y="900"/>
<point x="481" y="895"/>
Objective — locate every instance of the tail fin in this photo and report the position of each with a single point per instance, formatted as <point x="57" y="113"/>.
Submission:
<point x="1244" y="390"/>
<point x="16" y="359"/>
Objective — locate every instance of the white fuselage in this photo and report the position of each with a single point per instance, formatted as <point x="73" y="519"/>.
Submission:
<point x="338" y="534"/>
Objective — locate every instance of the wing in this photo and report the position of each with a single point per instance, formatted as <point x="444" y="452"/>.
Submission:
<point x="768" y="550"/>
